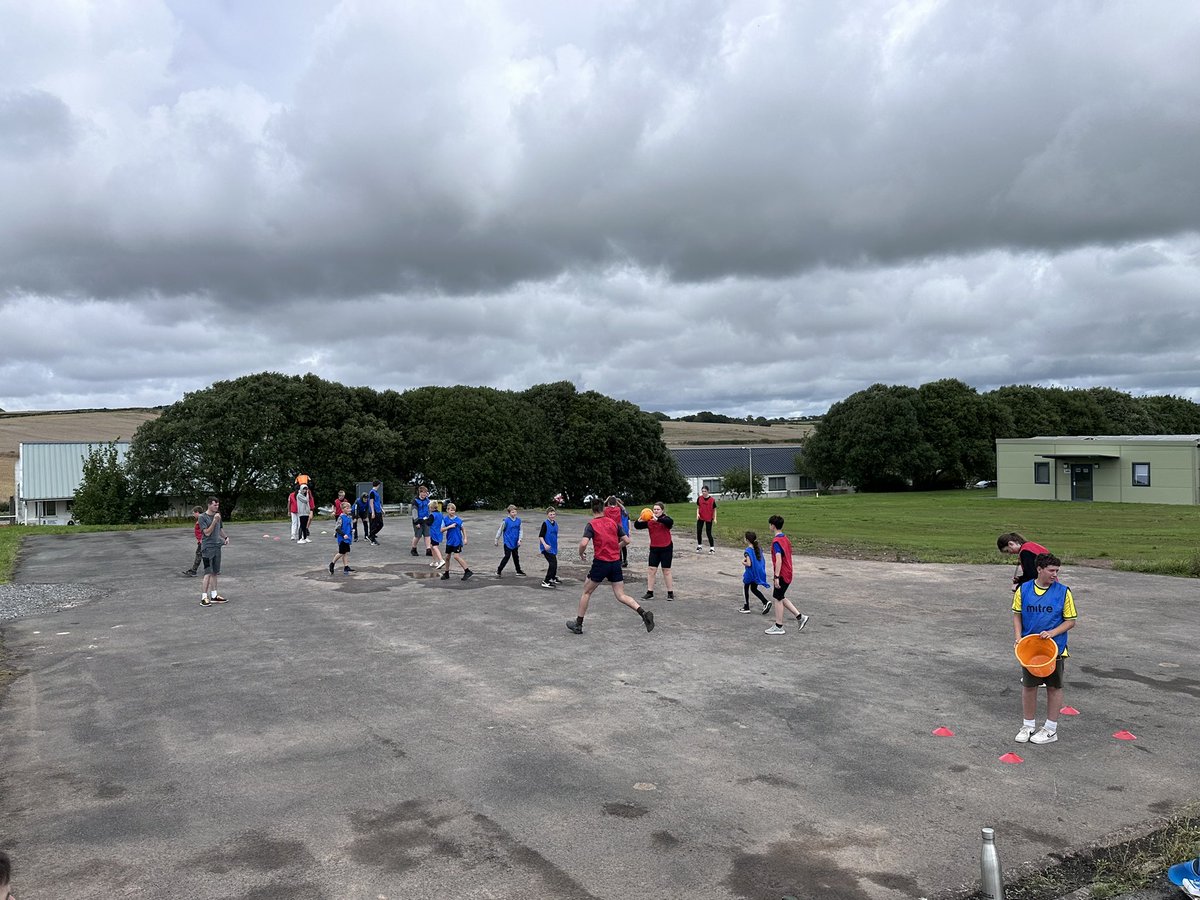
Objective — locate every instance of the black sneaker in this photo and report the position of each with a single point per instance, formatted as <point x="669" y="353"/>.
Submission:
<point x="522" y="574"/>
<point x="574" y="627"/>
<point x="347" y="570"/>
<point x="414" y="552"/>
<point x="219" y="599"/>
<point x="188" y="572"/>
<point x="331" y="568"/>
<point x="767" y="607"/>
<point x="499" y="573"/>
<point x="467" y="574"/>
<point x="204" y="601"/>
<point x="670" y="595"/>
<point x="649" y="595"/>
<point x="547" y="584"/>
<point x="429" y="552"/>
<point x="745" y="609"/>
<point x="648" y="620"/>
<point x="446" y="575"/>
<point x="556" y="580"/>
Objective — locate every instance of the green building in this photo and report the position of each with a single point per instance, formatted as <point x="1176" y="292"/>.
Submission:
<point x="1160" y="468"/>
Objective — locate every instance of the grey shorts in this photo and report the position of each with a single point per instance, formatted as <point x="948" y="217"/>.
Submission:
<point x="420" y="529"/>
<point x="212" y="564"/>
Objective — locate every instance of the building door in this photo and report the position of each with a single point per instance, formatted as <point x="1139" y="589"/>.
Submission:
<point x="1081" y="481"/>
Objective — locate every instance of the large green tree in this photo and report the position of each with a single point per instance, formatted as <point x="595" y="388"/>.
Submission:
<point x="605" y="446"/>
<point x="233" y="439"/>
<point x="956" y="425"/>
<point x="872" y="439"/>
<point x="104" y="495"/>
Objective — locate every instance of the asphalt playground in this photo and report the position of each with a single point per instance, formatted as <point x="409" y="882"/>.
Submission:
<point x="388" y="735"/>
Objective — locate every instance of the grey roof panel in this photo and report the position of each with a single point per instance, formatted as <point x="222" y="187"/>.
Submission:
<point x="701" y="462"/>
<point x="53" y="470"/>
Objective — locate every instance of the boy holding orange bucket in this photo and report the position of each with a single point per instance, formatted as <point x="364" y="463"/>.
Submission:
<point x="1045" y="608"/>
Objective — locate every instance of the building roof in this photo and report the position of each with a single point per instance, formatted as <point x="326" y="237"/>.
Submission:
<point x="710" y="462"/>
<point x="53" y="470"/>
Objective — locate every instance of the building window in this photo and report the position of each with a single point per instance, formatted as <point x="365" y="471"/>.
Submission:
<point x="808" y="483"/>
<point x="1041" y="473"/>
<point x="777" y="483"/>
<point x="1141" y="474"/>
<point x="49" y="508"/>
<point x="713" y="485"/>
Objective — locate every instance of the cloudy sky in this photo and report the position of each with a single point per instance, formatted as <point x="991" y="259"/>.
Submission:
<point x="748" y="207"/>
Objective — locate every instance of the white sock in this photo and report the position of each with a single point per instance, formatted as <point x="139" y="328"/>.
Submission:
<point x="212" y="594"/>
<point x="1051" y="726"/>
<point x="1030" y="723"/>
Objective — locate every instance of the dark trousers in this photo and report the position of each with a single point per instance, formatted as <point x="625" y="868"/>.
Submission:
<point x="509" y="552"/>
<point x="551" y="565"/>
<point x="376" y="525"/>
<point x="747" y="588"/>
<point x="303" y="534"/>
<point x="701" y="525"/>
<point x="196" y="562"/>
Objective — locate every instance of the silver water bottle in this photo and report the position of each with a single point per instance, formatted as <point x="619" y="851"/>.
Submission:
<point x="991" y="878"/>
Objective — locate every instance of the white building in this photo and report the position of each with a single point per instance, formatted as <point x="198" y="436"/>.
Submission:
<point x="47" y="475"/>
<point x="774" y="463"/>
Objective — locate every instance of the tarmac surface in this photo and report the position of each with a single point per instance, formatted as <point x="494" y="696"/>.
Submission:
<point x="390" y="735"/>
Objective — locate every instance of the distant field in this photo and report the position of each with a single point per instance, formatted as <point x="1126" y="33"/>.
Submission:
<point x="86" y="425"/>
<point x="962" y="526"/>
<point x="680" y="433"/>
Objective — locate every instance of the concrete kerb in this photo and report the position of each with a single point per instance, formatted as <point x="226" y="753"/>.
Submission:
<point x="387" y="733"/>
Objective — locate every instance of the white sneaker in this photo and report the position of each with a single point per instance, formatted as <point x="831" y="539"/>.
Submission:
<point x="1042" y="736"/>
<point x="439" y="563"/>
<point x="712" y="549"/>
<point x="775" y="629"/>
<point x="698" y="548"/>
<point x="802" y="623"/>
<point x="1024" y="734"/>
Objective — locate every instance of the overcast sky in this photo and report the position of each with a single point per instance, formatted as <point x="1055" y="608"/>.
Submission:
<point x="748" y="207"/>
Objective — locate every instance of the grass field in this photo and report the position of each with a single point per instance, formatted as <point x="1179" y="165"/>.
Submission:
<point x="962" y="526"/>
<point x="943" y="527"/>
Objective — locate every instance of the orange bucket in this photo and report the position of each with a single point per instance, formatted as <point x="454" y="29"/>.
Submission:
<point x="1037" y="654"/>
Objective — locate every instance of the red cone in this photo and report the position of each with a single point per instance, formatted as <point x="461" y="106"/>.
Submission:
<point x="1125" y="736"/>
<point x="1069" y="711"/>
<point x="1011" y="758"/>
<point x="943" y="732"/>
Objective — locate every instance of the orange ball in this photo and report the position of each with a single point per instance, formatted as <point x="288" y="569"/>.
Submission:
<point x="647" y="514"/>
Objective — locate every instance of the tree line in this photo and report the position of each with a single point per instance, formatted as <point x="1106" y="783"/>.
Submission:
<point x="943" y="434"/>
<point x="245" y="440"/>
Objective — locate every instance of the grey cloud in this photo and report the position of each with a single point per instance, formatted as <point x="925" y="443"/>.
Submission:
<point x="34" y="123"/>
<point x="749" y="208"/>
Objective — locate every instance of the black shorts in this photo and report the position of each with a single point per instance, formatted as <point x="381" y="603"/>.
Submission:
<point x="343" y="547"/>
<point x="661" y="556"/>
<point x="1053" y="680"/>
<point x="453" y="548"/>
<point x="780" y="589"/>
<point x="605" y="571"/>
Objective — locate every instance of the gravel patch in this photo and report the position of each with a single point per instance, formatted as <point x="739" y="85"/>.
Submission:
<point x="20" y="601"/>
